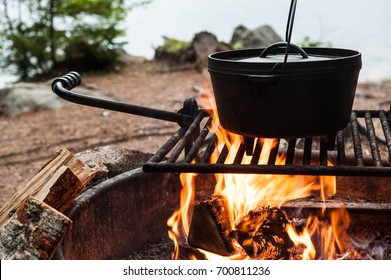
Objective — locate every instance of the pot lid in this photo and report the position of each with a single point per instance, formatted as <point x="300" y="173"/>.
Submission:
<point x="270" y="61"/>
<point x="279" y="58"/>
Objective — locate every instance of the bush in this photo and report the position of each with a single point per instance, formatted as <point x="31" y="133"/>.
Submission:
<point x="307" y="42"/>
<point x="62" y="35"/>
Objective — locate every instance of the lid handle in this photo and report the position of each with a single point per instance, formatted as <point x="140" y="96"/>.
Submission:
<point x="275" y="46"/>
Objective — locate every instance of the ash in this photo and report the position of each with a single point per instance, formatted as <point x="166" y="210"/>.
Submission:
<point x="379" y="248"/>
<point x="160" y="250"/>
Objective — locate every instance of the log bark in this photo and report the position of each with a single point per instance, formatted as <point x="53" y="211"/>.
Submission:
<point x="31" y="223"/>
<point x="58" y="183"/>
<point x="33" y="232"/>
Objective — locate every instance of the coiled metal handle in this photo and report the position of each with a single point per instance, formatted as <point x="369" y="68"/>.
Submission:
<point x="62" y="87"/>
<point x="68" y="81"/>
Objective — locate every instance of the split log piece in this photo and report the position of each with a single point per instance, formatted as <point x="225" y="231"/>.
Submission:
<point x="58" y="183"/>
<point x="61" y="190"/>
<point x="33" y="232"/>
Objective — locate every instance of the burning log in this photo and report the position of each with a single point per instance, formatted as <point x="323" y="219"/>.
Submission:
<point x="262" y="234"/>
<point x="33" y="231"/>
<point x="210" y="227"/>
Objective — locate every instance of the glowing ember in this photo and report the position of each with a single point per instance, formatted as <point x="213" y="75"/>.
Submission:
<point x="257" y="226"/>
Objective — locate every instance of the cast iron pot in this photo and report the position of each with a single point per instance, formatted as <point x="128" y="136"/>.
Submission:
<point x="264" y="93"/>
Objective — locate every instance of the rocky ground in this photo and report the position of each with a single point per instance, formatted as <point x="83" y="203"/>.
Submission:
<point x="29" y="140"/>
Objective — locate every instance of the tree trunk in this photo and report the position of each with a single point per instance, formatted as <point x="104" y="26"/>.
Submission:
<point x="52" y="36"/>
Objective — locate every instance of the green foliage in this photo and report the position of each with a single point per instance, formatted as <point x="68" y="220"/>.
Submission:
<point x="307" y="42"/>
<point x="61" y="35"/>
<point x="237" y="46"/>
<point x="386" y="81"/>
<point x="172" y="45"/>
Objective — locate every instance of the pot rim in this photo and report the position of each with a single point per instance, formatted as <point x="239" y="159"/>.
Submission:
<point x="247" y="62"/>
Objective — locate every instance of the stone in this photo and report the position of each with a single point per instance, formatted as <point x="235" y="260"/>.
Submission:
<point x="259" y="37"/>
<point x="109" y="161"/>
<point x="27" y="97"/>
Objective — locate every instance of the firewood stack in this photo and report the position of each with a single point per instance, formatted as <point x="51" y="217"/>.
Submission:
<point x="32" y="223"/>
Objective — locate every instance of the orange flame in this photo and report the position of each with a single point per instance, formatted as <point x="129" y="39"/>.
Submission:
<point x="330" y="234"/>
<point x="179" y="222"/>
<point x="245" y="192"/>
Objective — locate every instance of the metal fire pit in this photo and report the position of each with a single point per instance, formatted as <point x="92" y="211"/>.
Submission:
<point x="119" y="216"/>
<point x="124" y="214"/>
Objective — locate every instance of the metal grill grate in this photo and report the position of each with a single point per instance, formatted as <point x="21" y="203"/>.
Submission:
<point x="363" y="148"/>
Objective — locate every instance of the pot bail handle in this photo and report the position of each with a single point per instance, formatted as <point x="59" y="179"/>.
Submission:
<point x="288" y="36"/>
<point x="288" y="33"/>
<point x="275" y="46"/>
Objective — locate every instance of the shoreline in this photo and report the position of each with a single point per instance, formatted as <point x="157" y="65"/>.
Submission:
<point x="8" y="79"/>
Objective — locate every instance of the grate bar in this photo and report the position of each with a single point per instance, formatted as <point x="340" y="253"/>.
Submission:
<point x="240" y="154"/>
<point x="290" y="155"/>
<point x="323" y="151"/>
<point x="307" y="151"/>
<point x="270" y="169"/>
<point x="257" y="153"/>
<point x="198" y="142"/>
<point x="372" y="139"/>
<point x="341" y="148"/>
<point x="356" y="140"/>
<point x="387" y="132"/>
<point x="209" y="149"/>
<point x="169" y="145"/>
<point x="346" y="156"/>
<point x="188" y="135"/>
<point x="223" y="155"/>
<point x="273" y="152"/>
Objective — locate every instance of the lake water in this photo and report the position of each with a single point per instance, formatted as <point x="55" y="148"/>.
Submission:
<point x="362" y="25"/>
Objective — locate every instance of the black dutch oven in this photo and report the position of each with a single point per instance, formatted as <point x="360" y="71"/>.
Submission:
<point x="268" y="93"/>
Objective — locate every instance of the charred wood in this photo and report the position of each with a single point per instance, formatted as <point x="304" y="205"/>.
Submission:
<point x="261" y="233"/>
<point x="210" y="227"/>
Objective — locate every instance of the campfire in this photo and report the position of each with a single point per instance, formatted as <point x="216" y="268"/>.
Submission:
<point x="272" y="198"/>
<point x="245" y="217"/>
<point x="287" y="136"/>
